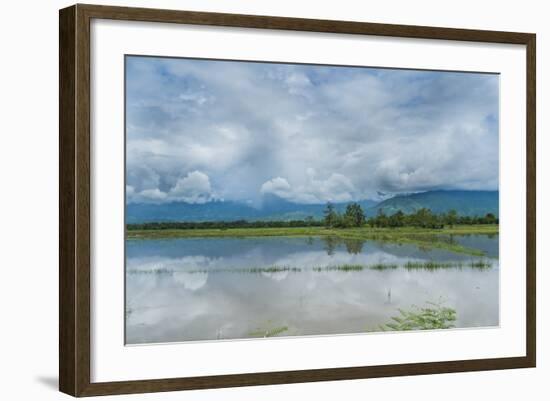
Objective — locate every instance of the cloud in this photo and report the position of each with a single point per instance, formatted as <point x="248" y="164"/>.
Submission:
<point x="277" y="186"/>
<point x="194" y="187"/>
<point x="153" y="194"/>
<point x="336" y="188"/>
<point x="334" y="133"/>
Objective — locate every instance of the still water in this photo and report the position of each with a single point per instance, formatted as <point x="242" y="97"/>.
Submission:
<point x="228" y="288"/>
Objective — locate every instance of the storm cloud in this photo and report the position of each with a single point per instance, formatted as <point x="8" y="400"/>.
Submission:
<point x="202" y="130"/>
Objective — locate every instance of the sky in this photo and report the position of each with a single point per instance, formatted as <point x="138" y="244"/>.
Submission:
<point x="209" y="130"/>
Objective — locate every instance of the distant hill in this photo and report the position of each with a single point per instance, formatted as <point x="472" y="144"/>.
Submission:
<point x="276" y="208"/>
<point x="272" y="208"/>
<point x="467" y="203"/>
<point x="181" y="211"/>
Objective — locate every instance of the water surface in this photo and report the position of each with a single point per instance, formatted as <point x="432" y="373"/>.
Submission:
<point x="188" y="289"/>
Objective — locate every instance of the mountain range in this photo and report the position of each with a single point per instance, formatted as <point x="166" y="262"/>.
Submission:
<point x="469" y="203"/>
<point x="466" y="203"/>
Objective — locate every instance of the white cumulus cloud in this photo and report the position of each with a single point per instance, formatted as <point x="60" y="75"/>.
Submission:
<point x="335" y="188"/>
<point x="277" y="186"/>
<point x="193" y="188"/>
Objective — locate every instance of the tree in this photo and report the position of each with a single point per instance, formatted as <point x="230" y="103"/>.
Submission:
<point x="397" y="219"/>
<point x="331" y="217"/>
<point x="354" y="215"/>
<point x="451" y="218"/>
<point x="425" y="218"/>
<point x="490" y="219"/>
<point x="381" y="219"/>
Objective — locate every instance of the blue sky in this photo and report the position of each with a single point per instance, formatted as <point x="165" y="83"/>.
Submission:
<point x="203" y="130"/>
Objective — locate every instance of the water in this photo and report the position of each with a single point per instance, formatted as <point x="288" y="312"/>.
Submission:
<point x="208" y="289"/>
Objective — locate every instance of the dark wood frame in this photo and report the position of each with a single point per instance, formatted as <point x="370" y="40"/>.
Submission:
<point x="74" y="199"/>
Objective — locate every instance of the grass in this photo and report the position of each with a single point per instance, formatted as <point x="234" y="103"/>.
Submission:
<point x="344" y="268"/>
<point x="424" y="238"/>
<point x="431" y="317"/>
<point x="480" y="264"/>
<point x="269" y="332"/>
<point x="362" y="232"/>
<point x="434" y="265"/>
<point x="267" y="269"/>
<point x="150" y="271"/>
<point x="410" y="265"/>
<point x="355" y="268"/>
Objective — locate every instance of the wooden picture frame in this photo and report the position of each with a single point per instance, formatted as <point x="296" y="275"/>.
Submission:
<point x="74" y="199"/>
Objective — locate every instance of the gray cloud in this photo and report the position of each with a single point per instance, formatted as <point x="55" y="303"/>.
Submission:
<point x="329" y="133"/>
<point x="193" y="188"/>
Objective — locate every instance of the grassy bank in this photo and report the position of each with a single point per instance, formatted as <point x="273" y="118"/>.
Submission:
<point x="363" y="232"/>
<point x="428" y="238"/>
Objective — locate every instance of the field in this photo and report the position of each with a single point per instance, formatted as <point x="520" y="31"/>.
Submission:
<point x="429" y="238"/>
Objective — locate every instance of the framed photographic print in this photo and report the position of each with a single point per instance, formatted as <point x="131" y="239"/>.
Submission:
<point x="250" y="200"/>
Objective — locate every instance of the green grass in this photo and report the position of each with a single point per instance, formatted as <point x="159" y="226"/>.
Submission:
<point x="424" y="238"/>
<point x="359" y="233"/>
<point x="410" y="265"/>
<point x="150" y="271"/>
<point x="431" y="317"/>
<point x="344" y="268"/>
<point x="384" y="266"/>
<point x="267" y="269"/>
<point x="269" y="332"/>
<point x="433" y="265"/>
<point x="355" y="268"/>
<point x="479" y="264"/>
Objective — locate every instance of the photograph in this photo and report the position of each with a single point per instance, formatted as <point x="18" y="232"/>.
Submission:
<point x="269" y="199"/>
<point x="264" y="200"/>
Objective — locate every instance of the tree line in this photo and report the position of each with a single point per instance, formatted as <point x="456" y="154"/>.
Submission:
<point x="423" y="218"/>
<point x="353" y="216"/>
<point x="190" y="225"/>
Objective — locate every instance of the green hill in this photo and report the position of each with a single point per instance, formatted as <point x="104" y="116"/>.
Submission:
<point x="466" y="203"/>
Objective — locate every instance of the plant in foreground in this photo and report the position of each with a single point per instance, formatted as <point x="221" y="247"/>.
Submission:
<point x="273" y="332"/>
<point x="432" y="317"/>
